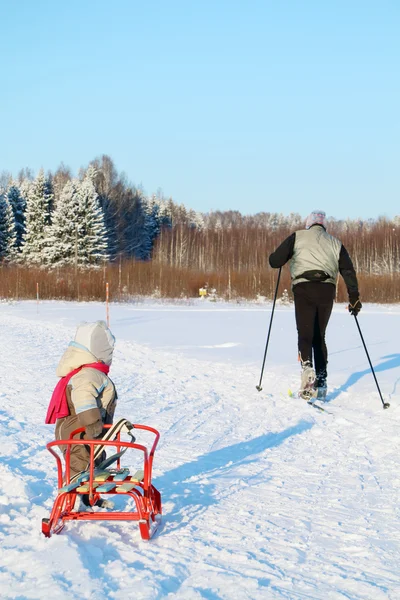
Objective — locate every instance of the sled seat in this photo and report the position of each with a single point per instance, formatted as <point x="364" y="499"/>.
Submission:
<point x="121" y="486"/>
<point x="117" y="477"/>
<point x="122" y="477"/>
<point x="93" y="482"/>
<point x="106" y="487"/>
<point x="84" y="489"/>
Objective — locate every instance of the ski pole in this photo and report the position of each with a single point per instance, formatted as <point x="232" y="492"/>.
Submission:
<point x="258" y="387"/>
<point x="385" y="404"/>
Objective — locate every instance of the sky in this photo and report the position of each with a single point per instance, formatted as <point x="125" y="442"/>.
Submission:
<point x="220" y="104"/>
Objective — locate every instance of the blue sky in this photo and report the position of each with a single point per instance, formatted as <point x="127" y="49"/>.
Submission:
<point x="270" y="105"/>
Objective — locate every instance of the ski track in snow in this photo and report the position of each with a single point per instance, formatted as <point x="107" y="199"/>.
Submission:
<point x="263" y="496"/>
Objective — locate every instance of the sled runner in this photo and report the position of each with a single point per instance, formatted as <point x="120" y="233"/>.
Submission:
<point x="106" y="481"/>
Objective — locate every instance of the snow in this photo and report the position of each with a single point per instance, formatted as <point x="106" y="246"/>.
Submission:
<point x="263" y="496"/>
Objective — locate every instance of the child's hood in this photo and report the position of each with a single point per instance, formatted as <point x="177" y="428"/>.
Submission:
<point x="93" y="342"/>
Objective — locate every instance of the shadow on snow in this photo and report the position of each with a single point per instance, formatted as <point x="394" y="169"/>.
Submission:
<point x="392" y="361"/>
<point x="188" y="490"/>
<point x="191" y="486"/>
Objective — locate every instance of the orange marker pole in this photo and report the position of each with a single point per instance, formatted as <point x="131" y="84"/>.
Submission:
<point x="107" y="305"/>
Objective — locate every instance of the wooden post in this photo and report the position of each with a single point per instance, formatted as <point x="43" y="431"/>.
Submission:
<point x="37" y="296"/>
<point x="120" y="275"/>
<point x="107" y="305"/>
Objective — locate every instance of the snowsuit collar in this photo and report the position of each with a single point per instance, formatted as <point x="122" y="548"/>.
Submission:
<point x="58" y="407"/>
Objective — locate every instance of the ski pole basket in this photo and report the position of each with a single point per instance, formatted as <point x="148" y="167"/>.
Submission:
<point x="96" y="482"/>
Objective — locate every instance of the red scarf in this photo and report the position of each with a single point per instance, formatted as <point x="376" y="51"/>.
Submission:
<point x="58" y="407"/>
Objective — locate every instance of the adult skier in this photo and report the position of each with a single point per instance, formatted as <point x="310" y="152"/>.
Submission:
<point x="315" y="259"/>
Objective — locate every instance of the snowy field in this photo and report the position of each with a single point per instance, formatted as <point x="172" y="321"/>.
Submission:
<point x="263" y="496"/>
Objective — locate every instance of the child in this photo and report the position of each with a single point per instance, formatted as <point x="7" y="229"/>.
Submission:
<point x="85" y="396"/>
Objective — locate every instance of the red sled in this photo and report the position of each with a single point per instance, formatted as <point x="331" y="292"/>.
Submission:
<point x="95" y="484"/>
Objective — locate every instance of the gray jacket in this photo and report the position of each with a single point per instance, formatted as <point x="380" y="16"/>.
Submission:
<point x="315" y="255"/>
<point x="315" y="251"/>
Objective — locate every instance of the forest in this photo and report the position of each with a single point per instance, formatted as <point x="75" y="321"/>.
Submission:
<point x="66" y="237"/>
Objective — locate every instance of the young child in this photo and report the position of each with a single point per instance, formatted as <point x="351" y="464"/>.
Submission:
<point x="85" y="396"/>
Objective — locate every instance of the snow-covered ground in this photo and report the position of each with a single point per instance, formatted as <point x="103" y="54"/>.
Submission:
<point x="263" y="496"/>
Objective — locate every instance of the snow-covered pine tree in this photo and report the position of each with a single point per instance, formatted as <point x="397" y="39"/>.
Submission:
<point x="195" y="220"/>
<point x="78" y="233"/>
<point x="133" y="225"/>
<point x="150" y="230"/>
<point x="93" y="243"/>
<point x="7" y="230"/>
<point x="63" y="235"/>
<point x="111" y="222"/>
<point x="164" y="216"/>
<point x="18" y="204"/>
<point x="39" y="201"/>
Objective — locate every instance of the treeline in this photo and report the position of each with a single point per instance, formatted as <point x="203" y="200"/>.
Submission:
<point x="131" y="279"/>
<point x="56" y="220"/>
<point x="72" y="234"/>
<point x="243" y="243"/>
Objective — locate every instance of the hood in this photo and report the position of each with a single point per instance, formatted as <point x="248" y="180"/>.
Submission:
<point x="93" y="342"/>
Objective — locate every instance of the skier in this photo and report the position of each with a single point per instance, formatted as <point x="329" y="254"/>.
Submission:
<point x="85" y="396"/>
<point x="315" y="258"/>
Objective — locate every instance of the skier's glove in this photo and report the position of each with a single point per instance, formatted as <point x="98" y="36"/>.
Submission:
<point x="94" y="430"/>
<point x="354" y="308"/>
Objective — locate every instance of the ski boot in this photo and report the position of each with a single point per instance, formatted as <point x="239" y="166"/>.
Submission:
<point x="321" y="392"/>
<point x="321" y="385"/>
<point x="82" y="504"/>
<point x="100" y="503"/>
<point x="307" y="390"/>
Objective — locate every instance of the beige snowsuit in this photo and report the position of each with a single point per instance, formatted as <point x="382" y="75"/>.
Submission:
<point x="91" y="394"/>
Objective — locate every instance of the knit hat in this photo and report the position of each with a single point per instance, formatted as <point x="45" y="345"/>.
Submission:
<point x="317" y="217"/>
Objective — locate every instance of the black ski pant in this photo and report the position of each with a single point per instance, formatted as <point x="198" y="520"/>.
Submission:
<point x="313" y="303"/>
